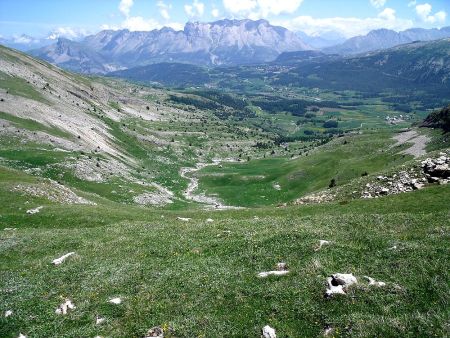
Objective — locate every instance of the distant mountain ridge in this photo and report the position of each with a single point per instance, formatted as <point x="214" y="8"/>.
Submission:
<point x="385" y="38"/>
<point x="224" y="42"/>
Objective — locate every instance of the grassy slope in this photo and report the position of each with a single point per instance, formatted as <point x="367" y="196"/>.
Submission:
<point x="200" y="280"/>
<point x="343" y="159"/>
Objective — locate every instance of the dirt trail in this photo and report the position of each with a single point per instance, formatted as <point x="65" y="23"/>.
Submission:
<point x="418" y="141"/>
<point x="189" y="193"/>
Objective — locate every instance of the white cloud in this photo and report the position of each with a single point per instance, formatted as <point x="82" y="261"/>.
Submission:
<point x="239" y="6"/>
<point x="378" y="3"/>
<point x="412" y="3"/>
<point x="423" y="11"/>
<point x="24" y="39"/>
<point x="164" y="9"/>
<point x="67" y="32"/>
<point x="441" y="16"/>
<point x="138" y="23"/>
<point x="348" y="27"/>
<point x="125" y="6"/>
<point x="215" y="13"/>
<point x="387" y="14"/>
<point x="195" y="10"/>
<point x="255" y="9"/>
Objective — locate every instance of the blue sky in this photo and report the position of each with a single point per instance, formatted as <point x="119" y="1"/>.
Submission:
<point x="70" y="18"/>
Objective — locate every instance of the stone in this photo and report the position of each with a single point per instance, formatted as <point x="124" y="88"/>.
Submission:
<point x="61" y="259"/>
<point x="374" y="282"/>
<point x="265" y="274"/>
<point x="282" y="266"/>
<point x="34" y="211"/>
<point x="322" y="242"/>
<point x="116" y="301"/>
<point x="65" y="307"/>
<point x="339" y="282"/>
<point x="156" y="331"/>
<point x="268" y="332"/>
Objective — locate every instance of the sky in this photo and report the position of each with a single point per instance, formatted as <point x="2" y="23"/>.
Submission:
<point x="76" y="18"/>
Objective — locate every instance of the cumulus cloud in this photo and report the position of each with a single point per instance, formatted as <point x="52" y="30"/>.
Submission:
<point x="195" y="10"/>
<point x="348" y="27"/>
<point x="67" y="32"/>
<point x="25" y="39"/>
<point x="239" y="6"/>
<point x="423" y="11"/>
<point x="255" y="9"/>
<point x="125" y="6"/>
<point x="215" y="13"/>
<point x="387" y="14"/>
<point x="139" y="23"/>
<point x="412" y="3"/>
<point x="378" y="3"/>
<point x="164" y="9"/>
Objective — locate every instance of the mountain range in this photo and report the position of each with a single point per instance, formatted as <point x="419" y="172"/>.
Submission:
<point x="221" y="43"/>
<point x="385" y="38"/>
<point x="225" y="42"/>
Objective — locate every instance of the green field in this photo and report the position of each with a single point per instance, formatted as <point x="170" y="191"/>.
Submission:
<point x="199" y="278"/>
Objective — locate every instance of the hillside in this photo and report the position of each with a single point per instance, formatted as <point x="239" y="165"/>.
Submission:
<point x="438" y="119"/>
<point x="411" y="76"/>
<point x="129" y="209"/>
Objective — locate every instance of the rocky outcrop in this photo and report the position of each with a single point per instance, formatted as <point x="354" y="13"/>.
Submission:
<point x="437" y="170"/>
<point x="431" y="170"/>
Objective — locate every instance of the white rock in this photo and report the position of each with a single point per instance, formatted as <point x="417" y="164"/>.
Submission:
<point x="99" y="320"/>
<point x="10" y="229"/>
<point x="273" y="273"/>
<point x="268" y="332"/>
<point x="116" y="301"/>
<point x="34" y="211"/>
<point x="345" y="279"/>
<point x="339" y="282"/>
<point x="334" y="289"/>
<point x="277" y="187"/>
<point x="61" y="259"/>
<point x="8" y="313"/>
<point x="374" y="282"/>
<point x="184" y="219"/>
<point x="209" y="220"/>
<point x="281" y="266"/>
<point x="65" y="307"/>
<point x="328" y="331"/>
<point x="322" y="243"/>
<point x="155" y="332"/>
<point x="22" y="336"/>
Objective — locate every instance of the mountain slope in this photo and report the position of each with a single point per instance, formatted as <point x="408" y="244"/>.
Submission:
<point x="385" y="38"/>
<point x="438" y="119"/>
<point x="220" y="42"/>
<point x="420" y="65"/>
